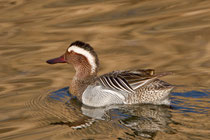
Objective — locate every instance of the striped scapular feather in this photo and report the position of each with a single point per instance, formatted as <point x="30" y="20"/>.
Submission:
<point x="129" y="81"/>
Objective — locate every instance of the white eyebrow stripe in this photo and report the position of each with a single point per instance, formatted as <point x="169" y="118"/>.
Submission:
<point x="87" y="54"/>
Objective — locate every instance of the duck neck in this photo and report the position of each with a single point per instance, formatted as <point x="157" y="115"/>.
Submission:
<point x="84" y="72"/>
<point x="81" y="80"/>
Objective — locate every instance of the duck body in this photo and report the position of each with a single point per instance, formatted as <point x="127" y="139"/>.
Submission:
<point x="117" y="87"/>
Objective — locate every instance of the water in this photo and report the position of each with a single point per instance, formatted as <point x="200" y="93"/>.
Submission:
<point x="167" y="35"/>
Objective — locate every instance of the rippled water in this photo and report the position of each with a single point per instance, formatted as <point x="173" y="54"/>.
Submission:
<point x="167" y="35"/>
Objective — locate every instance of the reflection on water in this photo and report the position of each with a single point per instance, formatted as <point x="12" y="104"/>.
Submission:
<point x="127" y="34"/>
<point x="142" y="120"/>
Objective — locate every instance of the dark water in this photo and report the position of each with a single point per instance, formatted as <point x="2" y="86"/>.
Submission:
<point x="167" y="35"/>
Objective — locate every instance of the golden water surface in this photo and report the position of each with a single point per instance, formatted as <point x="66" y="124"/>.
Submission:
<point x="167" y="35"/>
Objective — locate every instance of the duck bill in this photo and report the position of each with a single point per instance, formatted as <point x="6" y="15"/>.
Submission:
<point x="60" y="59"/>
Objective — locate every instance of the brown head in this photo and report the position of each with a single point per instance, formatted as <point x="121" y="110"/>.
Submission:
<point x="83" y="58"/>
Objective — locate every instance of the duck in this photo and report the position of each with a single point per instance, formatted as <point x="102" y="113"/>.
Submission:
<point x="141" y="86"/>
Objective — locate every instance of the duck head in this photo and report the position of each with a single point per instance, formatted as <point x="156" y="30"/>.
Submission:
<point x="83" y="58"/>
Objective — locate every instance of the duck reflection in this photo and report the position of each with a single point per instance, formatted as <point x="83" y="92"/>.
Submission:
<point x="142" y="119"/>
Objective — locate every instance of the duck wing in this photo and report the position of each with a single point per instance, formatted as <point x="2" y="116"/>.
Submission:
<point x="129" y="81"/>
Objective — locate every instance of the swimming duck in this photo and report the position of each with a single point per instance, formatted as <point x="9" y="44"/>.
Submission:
<point x="117" y="87"/>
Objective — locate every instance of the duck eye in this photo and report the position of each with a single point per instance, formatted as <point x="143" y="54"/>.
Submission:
<point x="72" y="52"/>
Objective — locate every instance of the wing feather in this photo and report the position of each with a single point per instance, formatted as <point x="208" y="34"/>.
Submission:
<point x="129" y="81"/>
